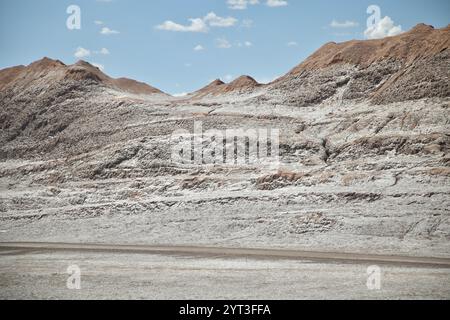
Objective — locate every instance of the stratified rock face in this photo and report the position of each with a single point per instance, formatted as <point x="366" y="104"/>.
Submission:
<point x="40" y="101"/>
<point x="410" y="66"/>
<point x="364" y="149"/>
<point x="8" y="75"/>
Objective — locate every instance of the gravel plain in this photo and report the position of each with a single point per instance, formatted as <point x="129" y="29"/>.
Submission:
<point x="43" y="275"/>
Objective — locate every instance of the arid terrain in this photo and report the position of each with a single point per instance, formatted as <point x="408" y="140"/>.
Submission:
<point x="40" y="274"/>
<point x="365" y="166"/>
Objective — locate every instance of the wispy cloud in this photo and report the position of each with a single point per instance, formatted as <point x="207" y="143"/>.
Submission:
<point x="82" y="53"/>
<point x="344" y="24"/>
<point x="228" y="77"/>
<point x="199" y="48"/>
<point x="244" y="4"/>
<point x="108" y="31"/>
<point x="276" y="3"/>
<point x="292" y="44"/>
<point x="245" y="44"/>
<point x="215" y="21"/>
<point x="199" y="24"/>
<point x="102" y="51"/>
<point x="223" y="43"/>
<point x="240" y="4"/>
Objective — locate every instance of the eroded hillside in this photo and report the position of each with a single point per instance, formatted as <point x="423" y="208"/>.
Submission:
<point x="364" y="145"/>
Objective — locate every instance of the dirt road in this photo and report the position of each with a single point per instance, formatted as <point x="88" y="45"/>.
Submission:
<point x="273" y="254"/>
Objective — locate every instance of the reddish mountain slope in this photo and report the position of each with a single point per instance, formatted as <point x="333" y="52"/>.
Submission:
<point x="47" y="71"/>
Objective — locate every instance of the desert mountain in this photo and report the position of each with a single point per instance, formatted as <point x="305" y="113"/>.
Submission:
<point x="421" y="42"/>
<point x="364" y="150"/>
<point x="47" y="72"/>
<point x="211" y="88"/>
<point x="48" y="98"/>
<point x="409" y="66"/>
<point x="241" y="85"/>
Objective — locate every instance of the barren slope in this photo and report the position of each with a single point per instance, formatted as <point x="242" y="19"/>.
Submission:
<point x="364" y="139"/>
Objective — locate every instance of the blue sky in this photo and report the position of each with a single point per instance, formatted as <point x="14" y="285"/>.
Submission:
<point x="264" y="40"/>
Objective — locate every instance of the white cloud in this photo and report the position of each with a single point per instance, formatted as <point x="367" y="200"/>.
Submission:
<point x="276" y="3"/>
<point x="245" y="44"/>
<point x="98" y="65"/>
<point x="344" y="24"/>
<point x="199" y="24"/>
<point x="384" y="28"/>
<point x="243" y="4"/>
<point x="223" y="43"/>
<point x="98" y="22"/>
<point x="82" y="53"/>
<point x="228" y="78"/>
<point x="108" y="31"/>
<point x="240" y="4"/>
<point x="199" y="48"/>
<point x="179" y="95"/>
<point x="103" y="51"/>
<point x="292" y="44"/>
<point x="215" y="21"/>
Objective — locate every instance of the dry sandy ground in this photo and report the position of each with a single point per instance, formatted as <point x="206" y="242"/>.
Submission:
<point x="41" y="275"/>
